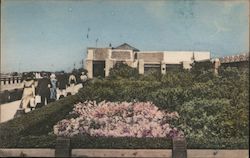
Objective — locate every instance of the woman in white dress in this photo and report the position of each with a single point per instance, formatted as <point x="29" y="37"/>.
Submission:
<point x="28" y="92"/>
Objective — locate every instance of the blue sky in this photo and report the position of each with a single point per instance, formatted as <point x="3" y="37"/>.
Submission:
<point x="52" y="35"/>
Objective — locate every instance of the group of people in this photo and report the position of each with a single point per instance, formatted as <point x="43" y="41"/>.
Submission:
<point x="48" y="88"/>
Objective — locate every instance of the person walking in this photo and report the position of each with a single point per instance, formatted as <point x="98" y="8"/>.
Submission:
<point x="28" y="92"/>
<point x="83" y="78"/>
<point x="43" y="89"/>
<point x="72" y="80"/>
<point x="62" y="85"/>
<point x="53" y="81"/>
<point x="72" y="83"/>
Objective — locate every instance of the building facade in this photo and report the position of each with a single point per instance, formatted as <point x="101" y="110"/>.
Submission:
<point x="100" y="60"/>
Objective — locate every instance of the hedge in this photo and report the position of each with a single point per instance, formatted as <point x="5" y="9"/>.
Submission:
<point x="118" y="90"/>
<point x="219" y="143"/>
<point x="35" y="123"/>
<point x="88" y="142"/>
<point x="41" y="141"/>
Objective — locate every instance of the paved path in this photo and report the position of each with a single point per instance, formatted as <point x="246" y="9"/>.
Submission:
<point x="8" y="110"/>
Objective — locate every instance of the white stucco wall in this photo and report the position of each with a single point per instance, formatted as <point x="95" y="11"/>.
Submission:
<point x="90" y="54"/>
<point x="174" y="57"/>
<point x="202" y="56"/>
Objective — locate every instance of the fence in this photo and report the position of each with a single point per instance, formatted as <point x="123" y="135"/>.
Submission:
<point x="121" y="153"/>
<point x="10" y="80"/>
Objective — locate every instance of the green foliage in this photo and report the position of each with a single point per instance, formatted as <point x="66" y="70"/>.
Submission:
<point x="202" y="118"/>
<point x="169" y="98"/>
<point x="218" y="143"/>
<point x="118" y="90"/>
<point x="201" y="67"/>
<point x="121" y="70"/>
<point x="88" y="142"/>
<point x="41" y="141"/>
<point x="173" y="79"/>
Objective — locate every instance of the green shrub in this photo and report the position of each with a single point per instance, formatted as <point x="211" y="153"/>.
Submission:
<point x="118" y="90"/>
<point x="121" y="70"/>
<point x="172" y="79"/>
<point x="41" y="141"/>
<point x="169" y="98"/>
<point x="88" y="142"/>
<point x="218" y="143"/>
<point x="205" y="119"/>
<point x="201" y="67"/>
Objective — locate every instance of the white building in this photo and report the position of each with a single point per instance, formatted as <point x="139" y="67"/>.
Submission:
<point x="100" y="60"/>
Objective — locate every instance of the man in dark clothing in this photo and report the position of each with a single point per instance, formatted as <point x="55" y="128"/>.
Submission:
<point x="62" y="81"/>
<point x="43" y="89"/>
<point x="62" y="85"/>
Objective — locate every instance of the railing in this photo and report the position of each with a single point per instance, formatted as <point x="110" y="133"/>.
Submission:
<point x="10" y="80"/>
<point x="10" y="89"/>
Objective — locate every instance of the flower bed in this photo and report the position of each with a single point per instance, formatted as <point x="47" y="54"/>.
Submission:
<point x="115" y="119"/>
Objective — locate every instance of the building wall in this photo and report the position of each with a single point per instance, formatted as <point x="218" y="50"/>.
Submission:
<point x="139" y="59"/>
<point x="121" y="55"/>
<point x="176" y="57"/>
<point x="150" y="56"/>
<point x="101" y="53"/>
<point x="199" y="56"/>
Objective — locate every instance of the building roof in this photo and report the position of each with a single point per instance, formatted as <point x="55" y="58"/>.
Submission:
<point x="126" y="46"/>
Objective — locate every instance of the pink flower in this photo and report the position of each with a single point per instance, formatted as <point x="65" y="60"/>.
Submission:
<point x="118" y="119"/>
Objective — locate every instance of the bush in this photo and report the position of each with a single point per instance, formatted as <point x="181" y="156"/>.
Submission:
<point x="121" y="70"/>
<point x="169" y="98"/>
<point x="41" y="141"/>
<point x="205" y="119"/>
<point x="173" y="79"/>
<point x="88" y="142"/>
<point x="201" y="67"/>
<point x="218" y="143"/>
<point x="118" y="90"/>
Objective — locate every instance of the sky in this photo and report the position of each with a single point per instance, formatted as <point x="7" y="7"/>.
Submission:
<point x="53" y="35"/>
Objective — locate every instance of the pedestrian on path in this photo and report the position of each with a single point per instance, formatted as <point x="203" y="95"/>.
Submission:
<point x="43" y="89"/>
<point x="62" y="81"/>
<point x="83" y="78"/>
<point x="28" y="92"/>
<point x="53" y="81"/>
<point x="72" y="83"/>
